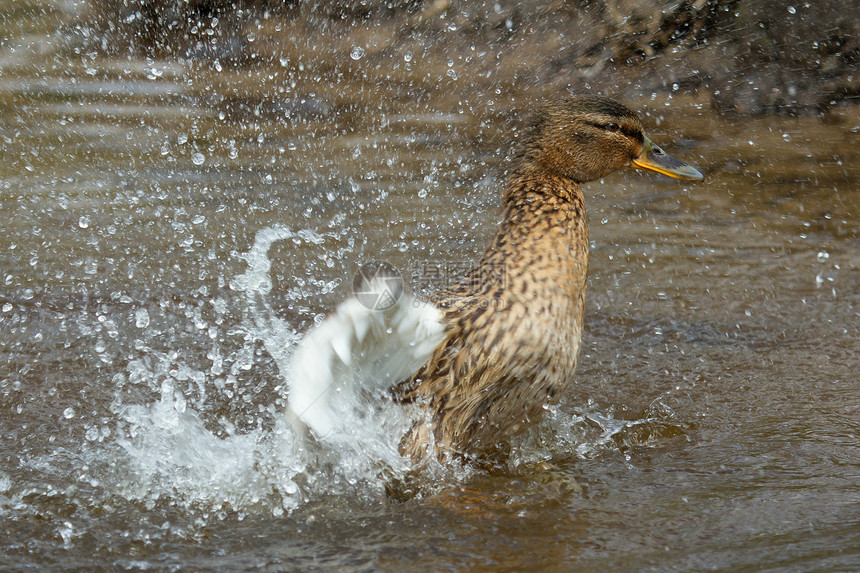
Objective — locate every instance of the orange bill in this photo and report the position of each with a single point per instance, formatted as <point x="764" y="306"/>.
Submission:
<point x="653" y="158"/>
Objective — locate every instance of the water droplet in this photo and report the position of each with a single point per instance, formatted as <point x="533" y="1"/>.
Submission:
<point x="786" y="137"/>
<point x="792" y="10"/>
<point x="181" y="139"/>
<point x="7" y="307"/>
<point x="357" y="53"/>
<point x="166" y="387"/>
<point x="67" y="532"/>
<point x="69" y="413"/>
<point x="141" y="318"/>
<point x="675" y="87"/>
<point x="84" y="222"/>
<point x="198" y="158"/>
<point x="822" y="256"/>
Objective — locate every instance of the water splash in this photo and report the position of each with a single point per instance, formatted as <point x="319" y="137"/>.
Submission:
<point x="171" y="453"/>
<point x="180" y="448"/>
<point x="589" y="430"/>
<point x="255" y="284"/>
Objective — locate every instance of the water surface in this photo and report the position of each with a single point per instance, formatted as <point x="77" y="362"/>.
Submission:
<point x="713" y="423"/>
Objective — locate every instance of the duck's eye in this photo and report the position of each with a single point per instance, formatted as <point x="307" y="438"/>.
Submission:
<point x="612" y="127"/>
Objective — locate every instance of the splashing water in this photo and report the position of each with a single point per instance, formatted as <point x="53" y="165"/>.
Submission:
<point x="171" y="448"/>
<point x="174" y="449"/>
<point x="256" y="286"/>
<point x="171" y="452"/>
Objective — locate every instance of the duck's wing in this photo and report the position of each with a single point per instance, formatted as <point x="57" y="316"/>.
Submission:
<point x="349" y="361"/>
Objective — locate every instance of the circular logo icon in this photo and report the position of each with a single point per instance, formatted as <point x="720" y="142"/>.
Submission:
<point x="377" y="285"/>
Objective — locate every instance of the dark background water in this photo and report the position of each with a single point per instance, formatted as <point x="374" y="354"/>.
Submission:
<point x="713" y="424"/>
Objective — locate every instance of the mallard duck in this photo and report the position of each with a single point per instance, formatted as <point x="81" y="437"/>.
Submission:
<point x="481" y="359"/>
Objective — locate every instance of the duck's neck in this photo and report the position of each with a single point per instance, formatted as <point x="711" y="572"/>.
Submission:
<point x="544" y="231"/>
<point x="539" y="192"/>
<point x="539" y="206"/>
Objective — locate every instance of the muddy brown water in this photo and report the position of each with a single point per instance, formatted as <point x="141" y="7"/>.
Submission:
<point x="713" y="423"/>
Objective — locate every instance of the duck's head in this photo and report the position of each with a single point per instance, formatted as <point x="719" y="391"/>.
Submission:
<point x="584" y="138"/>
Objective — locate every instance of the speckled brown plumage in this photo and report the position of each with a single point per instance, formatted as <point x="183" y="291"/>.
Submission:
<point x="515" y="321"/>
